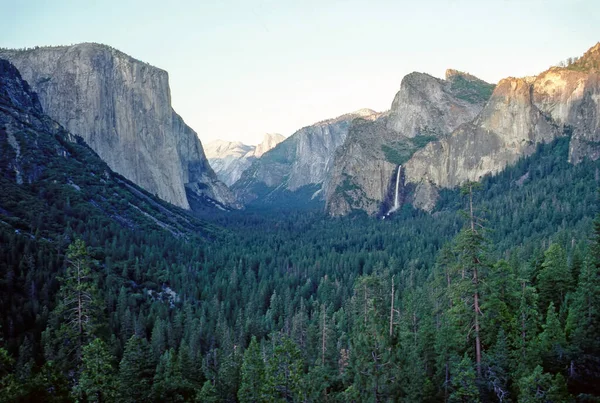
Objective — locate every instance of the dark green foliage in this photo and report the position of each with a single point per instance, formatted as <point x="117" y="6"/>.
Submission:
<point x="471" y="89"/>
<point x="136" y="371"/>
<point x="98" y="381"/>
<point x="286" y="305"/>
<point x="401" y="151"/>
<point x="464" y="388"/>
<point x="253" y="375"/>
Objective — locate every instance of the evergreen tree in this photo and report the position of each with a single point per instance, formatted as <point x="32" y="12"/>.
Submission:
<point x="466" y="287"/>
<point x="77" y="315"/>
<point x="136" y="371"/>
<point x="98" y="382"/>
<point x="252" y="374"/>
<point x="554" y="279"/>
<point x="284" y="371"/>
<point x="464" y="388"/>
<point x="552" y="340"/>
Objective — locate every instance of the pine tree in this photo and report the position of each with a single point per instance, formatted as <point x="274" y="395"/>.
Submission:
<point x="552" y="340"/>
<point x="98" y="382"/>
<point x="466" y="287"/>
<point x="284" y="371"/>
<point x="136" y="371"/>
<point x="464" y="388"/>
<point x="583" y="320"/>
<point x="252" y="374"/>
<point x="554" y="279"/>
<point x="539" y="387"/>
<point x="76" y="318"/>
<point x="208" y="393"/>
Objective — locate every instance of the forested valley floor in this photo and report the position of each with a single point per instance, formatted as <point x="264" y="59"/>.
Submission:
<point x="498" y="303"/>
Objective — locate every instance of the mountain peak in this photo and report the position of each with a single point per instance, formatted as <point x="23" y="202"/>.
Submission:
<point x="269" y="141"/>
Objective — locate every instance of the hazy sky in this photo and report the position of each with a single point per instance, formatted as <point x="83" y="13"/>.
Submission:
<point x="241" y="68"/>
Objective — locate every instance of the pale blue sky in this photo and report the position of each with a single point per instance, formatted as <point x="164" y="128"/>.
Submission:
<point x="239" y="69"/>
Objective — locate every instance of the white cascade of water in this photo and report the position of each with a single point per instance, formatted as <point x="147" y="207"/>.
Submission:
<point x="396" y="196"/>
<point x="396" y="201"/>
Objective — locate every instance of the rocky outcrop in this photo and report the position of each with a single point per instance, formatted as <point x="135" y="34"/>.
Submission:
<point x="571" y="96"/>
<point x="522" y="113"/>
<point x="424" y="109"/>
<point x="122" y="109"/>
<point x="429" y="105"/>
<point x="229" y="159"/>
<point x="304" y="158"/>
<point x="509" y="127"/>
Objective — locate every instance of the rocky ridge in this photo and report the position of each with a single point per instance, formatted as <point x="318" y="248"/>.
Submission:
<point x="424" y="109"/>
<point x="522" y="113"/>
<point x="47" y="172"/>
<point x="519" y="114"/>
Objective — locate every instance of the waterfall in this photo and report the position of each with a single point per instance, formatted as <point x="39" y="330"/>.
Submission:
<point x="396" y="195"/>
<point x="397" y="185"/>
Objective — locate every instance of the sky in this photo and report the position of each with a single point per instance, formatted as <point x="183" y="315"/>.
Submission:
<point x="242" y="68"/>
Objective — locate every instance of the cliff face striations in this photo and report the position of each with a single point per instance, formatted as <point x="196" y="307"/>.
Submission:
<point x="424" y="109"/>
<point x="522" y="113"/>
<point x="305" y="158"/>
<point x="471" y="134"/>
<point x="122" y="108"/>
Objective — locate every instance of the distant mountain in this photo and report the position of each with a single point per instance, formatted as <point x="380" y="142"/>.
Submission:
<point x="302" y="161"/>
<point x="424" y="109"/>
<point x="229" y="159"/>
<point x="51" y="179"/>
<point x="121" y="107"/>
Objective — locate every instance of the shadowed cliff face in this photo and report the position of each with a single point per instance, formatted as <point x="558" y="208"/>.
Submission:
<point x="122" y="108"/>
<point x="305" y="158"/>
<point x="424" y="109"/>
<point x="46" y="172"/>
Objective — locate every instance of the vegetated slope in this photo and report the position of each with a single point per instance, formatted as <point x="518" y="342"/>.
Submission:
<point x="50" y="176"/>
<point x="298" y="282"/>
<point x="179" y="317"/>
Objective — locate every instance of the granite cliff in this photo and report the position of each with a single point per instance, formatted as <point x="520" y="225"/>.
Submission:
<point x="424" y="109"/>
<point x="302" y="160"/>
<point x="229" y="159"/>
<point x="522" y="113"/>
<point x="121" y="107"/>
<point x="51" y="177"/>
<point x="469" y="140"/>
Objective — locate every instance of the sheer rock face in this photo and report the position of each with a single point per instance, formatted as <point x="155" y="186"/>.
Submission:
<point x="230" y="159"/>
<point x="426" y="104"/>
<point x="521" y="113"/>
<point x="510" y="126"/>
<point x="122" y="108"/>
<point x="304" y="158"/>
<point x="572" y="99"/>
<point x="364" y="174"/>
